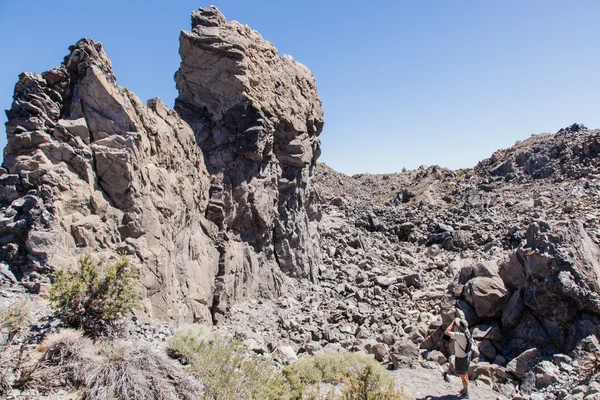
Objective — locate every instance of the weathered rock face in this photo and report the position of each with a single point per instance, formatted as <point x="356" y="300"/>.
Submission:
<point x="257" y="118"/>
<point x="90" y="169"/>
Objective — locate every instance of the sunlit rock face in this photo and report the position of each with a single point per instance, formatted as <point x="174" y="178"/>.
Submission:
<point x="90" y="169"/>
<point x="93" y="170"/>
<point x="257" y="117"/>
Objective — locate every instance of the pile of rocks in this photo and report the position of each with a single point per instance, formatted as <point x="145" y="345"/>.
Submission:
<point x="403" y="254"/>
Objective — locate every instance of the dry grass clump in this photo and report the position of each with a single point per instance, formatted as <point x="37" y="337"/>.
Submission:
<point x="15" y="319"/>
<point x="16" y="316"/>
<point x="120" y="369"/>
<point x="223" y="367"/>
<point x="134" y="370"/>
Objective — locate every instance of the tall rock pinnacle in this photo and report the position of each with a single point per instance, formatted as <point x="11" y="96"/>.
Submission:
<point x="257" y="117"/>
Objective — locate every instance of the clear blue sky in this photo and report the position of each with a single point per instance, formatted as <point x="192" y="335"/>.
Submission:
<point x="403" y="83"/>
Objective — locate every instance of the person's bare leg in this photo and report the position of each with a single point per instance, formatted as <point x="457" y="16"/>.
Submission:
<point x="465" y="381"/>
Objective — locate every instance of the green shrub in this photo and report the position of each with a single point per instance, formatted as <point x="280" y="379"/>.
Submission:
<point x="358" y="372"/>
<point x="222" y="366"/>
<point x="94" y="298"/>
<point x="327" y="367"/>
<point x="369" y="383"/>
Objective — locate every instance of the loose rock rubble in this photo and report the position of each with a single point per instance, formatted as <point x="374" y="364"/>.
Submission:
<point x="403" y="254"/>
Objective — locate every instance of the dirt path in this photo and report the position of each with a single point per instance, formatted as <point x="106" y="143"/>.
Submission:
<point x="428" y="384"/>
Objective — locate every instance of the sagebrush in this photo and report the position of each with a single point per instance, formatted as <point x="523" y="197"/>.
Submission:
<point x="222" y="366"/>
<point x="95" y="297"/>
<point x="362" y="377"/>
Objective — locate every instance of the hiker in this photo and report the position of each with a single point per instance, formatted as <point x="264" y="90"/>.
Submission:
<point x="458" y="331"/>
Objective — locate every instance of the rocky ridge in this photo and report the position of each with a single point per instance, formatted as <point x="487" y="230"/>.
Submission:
<point x="215" y="211"/>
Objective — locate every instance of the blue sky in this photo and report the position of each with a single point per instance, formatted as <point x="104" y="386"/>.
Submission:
<point x="403" y="83"/>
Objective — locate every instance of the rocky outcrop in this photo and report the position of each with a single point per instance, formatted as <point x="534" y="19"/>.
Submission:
<point x="257" y="117"/>
<point x="90" y="169"/>
<point x="571" y="152"/>
<point x="545" y="294"/>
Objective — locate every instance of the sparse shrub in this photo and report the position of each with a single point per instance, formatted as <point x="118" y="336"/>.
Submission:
<point x="369" y="383"/>
<point x="134" y="370"/>
<point x="119" y="369"/>
<point x="221" y="365"/>
<point x="589" y="365"/>
<point x="14" y="365"/>
<point x="229" y="374"/>
<point x="403" y="169"/>
<point x="16" y="316"/>
<point x="357" y="371"/>
<point x="94" y="298"/>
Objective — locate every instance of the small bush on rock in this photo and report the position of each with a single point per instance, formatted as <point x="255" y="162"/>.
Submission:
<point x="94" y="298"/>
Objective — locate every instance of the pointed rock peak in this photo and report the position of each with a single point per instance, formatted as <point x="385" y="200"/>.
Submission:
<point x="86" y="53"/>
<point x="207" y="16"/>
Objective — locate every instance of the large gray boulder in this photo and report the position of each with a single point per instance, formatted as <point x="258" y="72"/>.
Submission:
<point x="519" y="366"/>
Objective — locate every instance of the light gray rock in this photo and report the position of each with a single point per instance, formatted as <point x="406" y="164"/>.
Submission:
<point x="285" y="355"/>
<point x="546" y="373"/>
<point x="520" y="365"/>
<point x="486" y="295"/>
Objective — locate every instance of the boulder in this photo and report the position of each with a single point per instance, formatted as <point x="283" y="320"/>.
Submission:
<point x="486" y="295"/>
<point x="487" y="349"/>
<point x="522" y="364"/>
<point x="404" y="353"/>
<point x="436" y="356"/>
<point x="513" y="310"/>
<point x="546" y="373"/>
<point x="380" y="352"/>
<point x="285" y="355"/>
